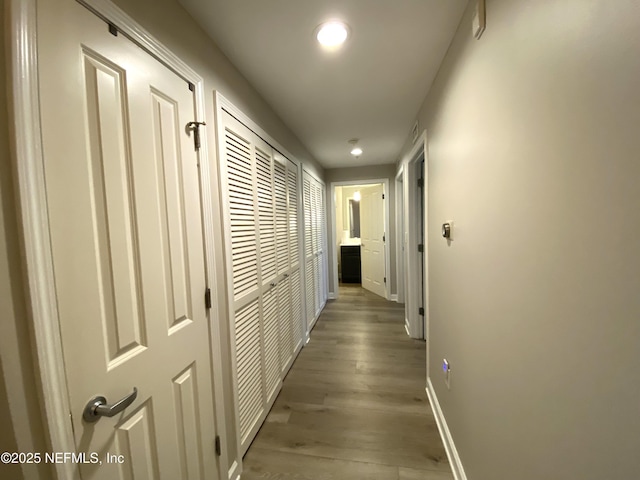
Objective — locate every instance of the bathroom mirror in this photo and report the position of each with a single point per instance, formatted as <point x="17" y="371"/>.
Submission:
<point x="354" y="218"/>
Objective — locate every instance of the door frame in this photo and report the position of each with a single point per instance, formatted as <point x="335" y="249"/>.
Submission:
<point x="37" y="259"/>
<point x="332" y="215"/>
<point x="400" y="238"/>
<point x="415" y="326"/>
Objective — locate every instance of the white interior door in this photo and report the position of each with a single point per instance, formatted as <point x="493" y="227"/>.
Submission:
<point x="372" y="239"/>
<point x="123" y="196"/>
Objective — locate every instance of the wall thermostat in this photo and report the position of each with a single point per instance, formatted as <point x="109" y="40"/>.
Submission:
<point x="446" y="230"/>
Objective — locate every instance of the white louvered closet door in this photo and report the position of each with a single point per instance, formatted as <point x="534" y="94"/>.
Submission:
<point x="314" y="247"/>
<point x="293" y="192"/>
<point x="309" y="254"/>
<point x="268" y="266"/>
<point x="323" y="243"/>
<point x="282" y="248"/>
<point x="260" y="199"/>
<point x="315" y="198"/>
<point x="242" y="241"/>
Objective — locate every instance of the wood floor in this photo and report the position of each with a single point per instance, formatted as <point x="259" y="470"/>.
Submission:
<point x="354" y="404"/>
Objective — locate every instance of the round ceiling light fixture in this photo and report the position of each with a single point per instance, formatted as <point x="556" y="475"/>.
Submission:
<point x="356" y="151"/>
<point x="332" y="34"/>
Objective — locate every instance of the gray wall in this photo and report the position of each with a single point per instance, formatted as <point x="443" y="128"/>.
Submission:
<point x="355" y="174"/>
<point x="534" y="154"/>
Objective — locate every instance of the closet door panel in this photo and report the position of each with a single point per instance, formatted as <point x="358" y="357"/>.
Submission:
<point x="239" y="180"/>
<point x="271" y="339"/>
<point x="322" y="240"/>
<point x="307" y="204"/>
<point x="316" y="283"/>
<point x="297" y="324"/>
<point x="249" y="368"/>
<point x="265" y="191"/>
<point x="286" y="331"/>
<point x="241" y="205"/>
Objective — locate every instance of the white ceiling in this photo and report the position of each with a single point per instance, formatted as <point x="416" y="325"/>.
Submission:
<point x="370" y="89"/>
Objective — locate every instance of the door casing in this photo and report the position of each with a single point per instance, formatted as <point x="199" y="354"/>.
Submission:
<point x="400" y="237"/>
<point x="332" y="221"/>
<point x="417" y="327"/>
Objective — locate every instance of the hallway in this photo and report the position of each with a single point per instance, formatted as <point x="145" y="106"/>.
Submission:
<point x="354" y="403"/>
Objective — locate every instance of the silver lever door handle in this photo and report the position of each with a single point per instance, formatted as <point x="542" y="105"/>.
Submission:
<point x="97" y="407"/>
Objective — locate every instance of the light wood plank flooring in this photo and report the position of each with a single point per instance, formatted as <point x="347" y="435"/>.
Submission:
<point x="354" y="404"/>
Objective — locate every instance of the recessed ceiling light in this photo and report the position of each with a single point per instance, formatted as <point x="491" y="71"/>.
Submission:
<point x="332" y="34"/>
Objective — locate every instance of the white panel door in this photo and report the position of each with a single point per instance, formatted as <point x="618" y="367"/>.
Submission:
<point x="372" y="234"/>
<point x="125" y="215"/>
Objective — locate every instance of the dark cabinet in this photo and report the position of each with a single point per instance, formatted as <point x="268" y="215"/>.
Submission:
<point x="350" y="263"/>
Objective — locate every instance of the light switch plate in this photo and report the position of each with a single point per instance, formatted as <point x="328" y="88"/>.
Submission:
<point x="479" y="19"/>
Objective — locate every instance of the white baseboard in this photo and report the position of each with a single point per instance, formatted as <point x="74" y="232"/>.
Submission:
<point x="406" y="328"/>
<point x="450" y="447"/>
<point x="332" y="296"/>
<point x="394" y="297"/>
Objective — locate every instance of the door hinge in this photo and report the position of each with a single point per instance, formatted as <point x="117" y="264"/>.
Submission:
<point x="384" y="237"/>
<point x="385" y="279"/>
<point x="383" y="196"/>
<point x="207" y="298"/>
<point x="195" y="128"/>
<point x="420" y="182"/>
<point x="420" y="247"/>
<point x="421" y="311"/>
<point x="192" y="87"/>
<point x="113" y="30"/>
<point x="218" y="448"/>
